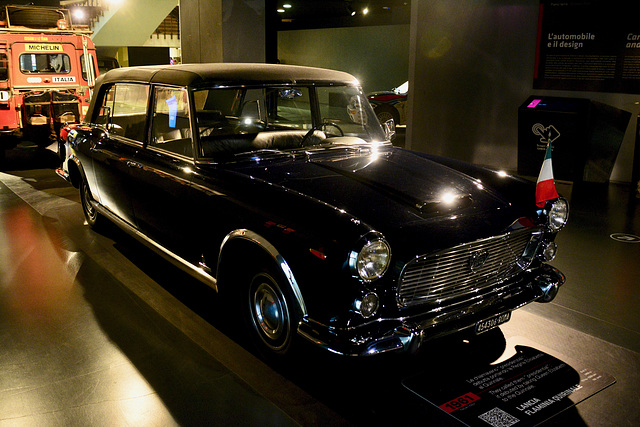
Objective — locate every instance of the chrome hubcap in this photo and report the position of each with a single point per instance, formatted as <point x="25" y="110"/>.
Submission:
<point x="269" y="311"/>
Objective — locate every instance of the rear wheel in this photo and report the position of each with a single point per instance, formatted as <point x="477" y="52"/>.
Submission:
<point x="91" y="215"/>
<point x="272" y="313"/>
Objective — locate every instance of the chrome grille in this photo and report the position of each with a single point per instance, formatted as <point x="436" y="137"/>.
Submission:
<point x="466" y="269"/>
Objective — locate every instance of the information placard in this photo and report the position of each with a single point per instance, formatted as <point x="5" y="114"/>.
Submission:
<point x="526" y="389"/>
<point x="589" y="45"/>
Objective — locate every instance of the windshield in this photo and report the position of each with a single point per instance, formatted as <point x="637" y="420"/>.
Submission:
<point x="237" y="120"/>
<point x="55" y="63"/>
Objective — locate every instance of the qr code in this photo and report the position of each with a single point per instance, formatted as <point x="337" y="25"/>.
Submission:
<point x="498" y="418"/>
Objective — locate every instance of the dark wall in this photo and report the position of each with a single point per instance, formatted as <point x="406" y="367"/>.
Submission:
<point x="377" y="56"/>
<point x="148" y="56"/>
<point x="471" y="67"/>
<point x="223" y="30"/>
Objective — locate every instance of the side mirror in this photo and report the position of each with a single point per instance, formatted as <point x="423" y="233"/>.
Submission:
<point x="115" y="129"/>
<point x="389" y="128"/>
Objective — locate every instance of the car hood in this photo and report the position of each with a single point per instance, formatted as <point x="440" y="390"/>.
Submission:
<point x="394" y="191"/>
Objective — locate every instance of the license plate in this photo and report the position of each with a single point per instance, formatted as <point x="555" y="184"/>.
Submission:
<point x="492" y="322"/>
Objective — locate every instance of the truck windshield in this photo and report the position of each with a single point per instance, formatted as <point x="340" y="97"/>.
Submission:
<point x="45" y="63"/>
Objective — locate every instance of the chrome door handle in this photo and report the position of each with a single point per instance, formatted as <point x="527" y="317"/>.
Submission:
<point x="132" y="164"/>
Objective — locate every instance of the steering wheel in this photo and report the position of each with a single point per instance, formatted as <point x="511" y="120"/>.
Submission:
<point x="321" y="127"/>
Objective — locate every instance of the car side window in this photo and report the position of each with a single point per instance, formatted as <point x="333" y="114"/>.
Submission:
<point x="123" y="110"/>
<point x="171" y="126"/>
<point x="103" y="115"/>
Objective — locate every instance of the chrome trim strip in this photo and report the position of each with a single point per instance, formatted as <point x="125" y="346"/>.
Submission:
<point x="273" y="252"/>
<point x="194" y="271"/>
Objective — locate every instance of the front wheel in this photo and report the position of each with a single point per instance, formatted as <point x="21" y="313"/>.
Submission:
<point x="273" y="315"/>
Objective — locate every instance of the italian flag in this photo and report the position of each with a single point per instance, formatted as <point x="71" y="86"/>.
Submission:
<point x="546" y="186"/>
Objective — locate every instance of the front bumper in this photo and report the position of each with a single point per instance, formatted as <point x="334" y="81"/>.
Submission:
<point x="407" y="334"/>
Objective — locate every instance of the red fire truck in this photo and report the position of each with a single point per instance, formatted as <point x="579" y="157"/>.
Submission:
<point x="47" y="72"/>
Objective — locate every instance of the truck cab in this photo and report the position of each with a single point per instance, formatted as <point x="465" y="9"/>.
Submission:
<point x="47" y="73"/>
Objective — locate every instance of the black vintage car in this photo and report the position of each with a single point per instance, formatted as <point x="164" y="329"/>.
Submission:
<point x="276" y="185"/>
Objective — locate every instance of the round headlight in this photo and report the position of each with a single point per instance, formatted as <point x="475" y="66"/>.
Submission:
<point x="558" y="214"/>
<point x="373" y="260"/>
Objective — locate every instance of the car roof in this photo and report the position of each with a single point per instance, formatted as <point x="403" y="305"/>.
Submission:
<point x="218" y="74"/>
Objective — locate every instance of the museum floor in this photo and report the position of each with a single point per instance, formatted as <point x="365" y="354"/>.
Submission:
<point x="96" y="330"/>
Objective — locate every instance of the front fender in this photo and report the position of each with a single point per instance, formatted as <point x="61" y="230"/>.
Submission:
<point x="231" y="248"/>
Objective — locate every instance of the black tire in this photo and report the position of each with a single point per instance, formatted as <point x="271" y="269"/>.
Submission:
<point x="62" y="150"/>
<point x="91" y="215"/>
<point x="272" y="314"/>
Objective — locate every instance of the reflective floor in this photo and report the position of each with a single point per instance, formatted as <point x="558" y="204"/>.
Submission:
<point x="96" y="330"/>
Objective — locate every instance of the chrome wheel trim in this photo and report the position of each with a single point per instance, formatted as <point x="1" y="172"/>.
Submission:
<point x="269" y="312"/>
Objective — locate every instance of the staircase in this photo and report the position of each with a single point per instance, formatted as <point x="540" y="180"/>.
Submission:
<point x="130" y="22"/>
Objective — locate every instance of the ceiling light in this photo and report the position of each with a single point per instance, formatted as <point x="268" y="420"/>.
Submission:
<point x="350" y="10"/>
<point x="78" y="14"/>
<point x="365" y="10"/>
<point x="280" y="10"/>
<point x="286" y="6"/>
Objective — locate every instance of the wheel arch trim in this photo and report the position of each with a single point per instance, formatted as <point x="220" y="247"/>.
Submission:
<point x="261" y="242"/>
<point x="76" y="171"/>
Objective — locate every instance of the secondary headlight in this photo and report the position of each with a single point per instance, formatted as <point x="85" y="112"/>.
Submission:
<point x="558" y="214"/>
<point x="373" y="260"/>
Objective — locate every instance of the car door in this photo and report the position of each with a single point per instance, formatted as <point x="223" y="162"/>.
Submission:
<point x="123" y="117"/>
<point x="162" y="172"/>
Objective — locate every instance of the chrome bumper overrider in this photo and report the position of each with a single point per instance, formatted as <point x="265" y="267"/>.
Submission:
<point x="407" y="334"/>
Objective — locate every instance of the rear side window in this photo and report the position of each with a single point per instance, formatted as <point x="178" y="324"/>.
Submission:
<point x="45" y="63"/>
<point x="171" y="127"/>
<point x="123" y="110"/>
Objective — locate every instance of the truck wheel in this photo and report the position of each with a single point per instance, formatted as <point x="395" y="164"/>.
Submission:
<point x="272" y="313"/>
